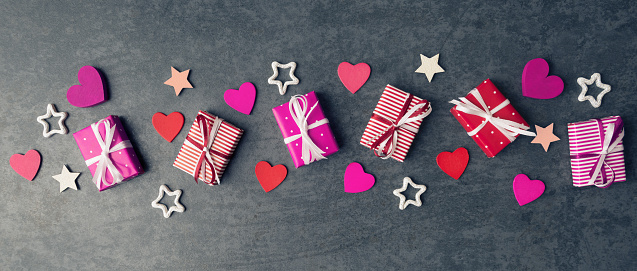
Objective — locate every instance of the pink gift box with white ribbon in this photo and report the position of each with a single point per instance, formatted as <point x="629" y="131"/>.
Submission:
<point x="597" y="151"/>
<point x="108" y="152"/>
<point x="305" y="130"/>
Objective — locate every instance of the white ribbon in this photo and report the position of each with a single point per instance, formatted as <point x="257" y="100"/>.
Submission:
<point x="402" y="124"/>
<point x="607" y="147"/>
<point x="103" y="160"/>
<point x="510" y="129"/>
<point x="208" y="145"/>
<point x="298" y="106"/>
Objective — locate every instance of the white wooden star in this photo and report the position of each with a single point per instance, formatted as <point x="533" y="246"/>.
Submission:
<point x="429" y="66"/>
<point x="283" y="87"/>
<point x="66" y="179"/>
<point x="584" y="83"/>
<point x="50" y="111"/>
<point x="167" y="212"/>
<point x="403" y="201"/>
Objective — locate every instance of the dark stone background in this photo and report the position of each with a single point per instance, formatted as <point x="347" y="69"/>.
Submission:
<point x="308" y="222"/>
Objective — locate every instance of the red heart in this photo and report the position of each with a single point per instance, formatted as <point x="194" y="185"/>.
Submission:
<point x="454" y="163"/>
<point x="270" y="176"/>
<point x="26" y="165"/>
<point x="353" y="76"/>
<point x="169" y="126"/>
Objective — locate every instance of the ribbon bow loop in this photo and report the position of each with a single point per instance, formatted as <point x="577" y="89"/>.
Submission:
<point x="387" y="141"/>
<point x="208" y="135"/>
<point x="103" y="160"/>
<point x="300" y="112"/>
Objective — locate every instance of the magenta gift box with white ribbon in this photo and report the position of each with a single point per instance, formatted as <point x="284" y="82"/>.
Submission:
<point x="597" y="152"/>
<point x="108" y="152"/>
<point x="305" y="129"/>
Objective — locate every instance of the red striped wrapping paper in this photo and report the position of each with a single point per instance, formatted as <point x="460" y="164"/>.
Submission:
<point x="225" y="142"/>
<point x="585" y="137"/>
<point x="389" y="107"/>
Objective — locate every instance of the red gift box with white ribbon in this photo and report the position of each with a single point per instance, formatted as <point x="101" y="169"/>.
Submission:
<point x="208" y="148"/>
<point x="395" y="123"/>
<point x="489" y="118"/>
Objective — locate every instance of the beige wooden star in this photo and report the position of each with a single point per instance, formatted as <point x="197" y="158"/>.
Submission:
<point x="179" y="80"/>
<point x="66" y="179"/>
<point x="429" y="66"/>
<point x="545" y="136"/>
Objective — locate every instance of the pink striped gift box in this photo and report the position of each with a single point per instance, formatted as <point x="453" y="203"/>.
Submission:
<point x="597" y="152"/>
<point x="208" y="148"/>
<point x="394" y="123"/>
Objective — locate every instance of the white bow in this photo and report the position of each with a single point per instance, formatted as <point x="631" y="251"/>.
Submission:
<point x="402" y="124"/>
<point x="510" y="129"/>
<point x="103" y="160"/>
<point x="298" y="106"/>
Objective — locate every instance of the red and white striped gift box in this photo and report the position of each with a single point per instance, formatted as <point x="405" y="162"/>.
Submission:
<point x="225" y="142"/>
<point x="389" y="108"/>
<point x="585" y="137"/>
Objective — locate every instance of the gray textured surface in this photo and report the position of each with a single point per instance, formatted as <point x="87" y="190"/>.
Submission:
<point x="308" y="222"/>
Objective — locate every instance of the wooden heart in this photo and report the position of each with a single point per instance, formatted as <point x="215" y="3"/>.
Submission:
<point x="26" y="165"/>
<point x="169" y="126"/>
<point x="270" y="176"/>
<point x="453" y="163"/>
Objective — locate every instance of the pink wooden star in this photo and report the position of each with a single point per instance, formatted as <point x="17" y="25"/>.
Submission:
<point x="179" y="80"/>
<point x="545" y="136"/>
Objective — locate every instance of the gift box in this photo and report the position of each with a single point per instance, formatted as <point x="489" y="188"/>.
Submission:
<point x="394" y="123"/>
<point x="118" y="163"/>
<point x="305" y="129"/>
<point x="597" y="151"/>
<point x="208" y="148"/>
<point x="489" y="118"/>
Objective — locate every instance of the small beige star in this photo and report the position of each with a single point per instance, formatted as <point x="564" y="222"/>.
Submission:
<point x="429" y="66"/>
<point x="179" y="80"/>
<point x="545" y="136"/>
<point x="66" y="179"/>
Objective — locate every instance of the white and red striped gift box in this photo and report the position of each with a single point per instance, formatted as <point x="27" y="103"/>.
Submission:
<point x="225" y="142"/>
<point x="585" y="137"/>
<point x="389" y="107"/>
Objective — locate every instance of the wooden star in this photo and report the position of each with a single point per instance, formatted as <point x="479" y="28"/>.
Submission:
<point x="545" y="136"/>
<point x="66" y="179"/>
<point x="429" y="66"/>
<point x="179" y="80"/>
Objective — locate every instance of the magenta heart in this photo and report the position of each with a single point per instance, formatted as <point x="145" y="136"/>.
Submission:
<point x="536" y="84"/>
<point x="241" y="100"/>
<point x="527" y="190"/>
<point x="90" y="91"/>
<point x="353" y="76"/>
<point x="356" y="180"/>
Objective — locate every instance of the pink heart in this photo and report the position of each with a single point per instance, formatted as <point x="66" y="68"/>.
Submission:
<point x="241" y="100"/>
<point x="26" y="165"/>
<point x="536" y="84"/>
<point x="353" y="76"/>
<point x="527" y="190"/>
<point x="356" y="180"/>
<point x="90" y="91"/>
